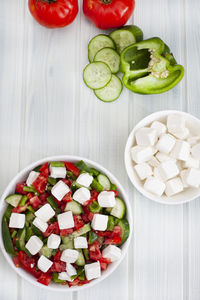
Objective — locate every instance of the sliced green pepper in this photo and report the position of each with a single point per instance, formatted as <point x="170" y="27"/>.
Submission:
<point x="52" y="202"/>
<point x="92" y="237"/>
<point x="20" y="240"/>
<point x="55" y="278"/>
<point x="97" y="186"/>
<point x="57" y="164"/>
<point x="30" y="189"/>
<point x="23" y="200"/>
<point x="82" y="166"/>
<point x="95" y="207"/>
<point x="149" y="67"/>
<point x="111" y="223"/>
<point x="6" y="236"/>
<point x="52" y="181"/>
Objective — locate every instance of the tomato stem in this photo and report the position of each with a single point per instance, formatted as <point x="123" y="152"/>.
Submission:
<point x="106" y="1"/>
<point x="47" y="1"/>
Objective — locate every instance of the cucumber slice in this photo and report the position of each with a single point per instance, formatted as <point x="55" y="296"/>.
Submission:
<point x="47" y="252"/>
<point x="97" y="75"/>
<point x="81" y="165"/>
<point x="75" y="207"/>
<point x="126" y="36"/>
<point x="119" y="209"/>
<point x="111" y="91"/>
<point x="86" y="228"/>
<point x="104" y="181"/>
<point x="68" y="241"/>
<point x="86" y="253"/>
<point x="80" y="260"/>
<point x="125" y="229"/>
<point x="98" y="42"/>
<point x="14" y="199"/>
<point x="110" y="57"/>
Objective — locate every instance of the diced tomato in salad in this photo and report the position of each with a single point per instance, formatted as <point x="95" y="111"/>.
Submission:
<point x="62" y="231"/>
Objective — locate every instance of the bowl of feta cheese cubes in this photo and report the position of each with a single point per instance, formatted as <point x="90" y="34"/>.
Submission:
<point x="162" y="157"/>
<point x="66" y="223"/>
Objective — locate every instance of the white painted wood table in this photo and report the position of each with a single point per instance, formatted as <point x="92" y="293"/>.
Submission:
<point x="45" y="109"/>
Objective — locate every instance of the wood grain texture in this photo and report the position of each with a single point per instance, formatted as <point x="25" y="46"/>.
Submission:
<point x="45" y="109"/>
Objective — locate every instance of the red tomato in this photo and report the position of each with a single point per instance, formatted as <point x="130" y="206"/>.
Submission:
<point x="30" y="195"/>
<point x="44" y="278"/>
<point x="94" y="251"/>
<point x="108" y="13"/>
<point x="67" y="198"/>
<point x="35" y="202"/>
<point x="20" y="209"/>
<point x="45" y="169"/>
<point x="113" y="241"/>
<point x="64" y="232"/>
<point x="67" y="181"/>
<point x="73" y="283"/>
<point x="82" y="282"/>
<point x="16" y="261"/>
<point x="78" y="222"/>
<point x="40" y="183"/>
<point x="57" y="256"/>
<point x="19" y="188"/>
<point x="43" y="197"/>
<point x="28" y="264"/>
<point x="53" y="13"/>
<point x="58" y="266"/>
<point x="52" y="228"/>
<point x="72" y="168"/>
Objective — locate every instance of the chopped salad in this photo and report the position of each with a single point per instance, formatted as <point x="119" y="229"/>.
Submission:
<point x="65" y="224"/>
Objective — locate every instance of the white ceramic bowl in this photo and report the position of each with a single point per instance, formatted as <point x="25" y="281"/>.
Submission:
<point x="193" y="125"/>
<point x="21" y="176"/>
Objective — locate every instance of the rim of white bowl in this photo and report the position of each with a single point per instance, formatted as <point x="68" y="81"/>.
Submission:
<point x="127" y="159"/>
<point x="56" y="287"/>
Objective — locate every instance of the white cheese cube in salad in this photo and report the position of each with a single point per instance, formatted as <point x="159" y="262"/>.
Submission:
<point x="112" y="252"/>
<point x="168" y="169"/>
<point x="44" y="264"/>
<point x="153" y="162"/>
<point x="59" y="190"/>
<point x="181" y="150"/>
<point x="69" y="256"/>
<point x="99" y="222"/>
<point x="17" y="220"/>
<point x="41" y="225"/>
<point x="143" y="170"/>
<point x="92" y="270"/>
<point x="80" y="242"/>
<point x="45" y="213"/>
<point x="106" y="199"/>
<point x="165" y="143"/>
<point x="84" y="179"/>
<point x="32" y="177"/>
<point x="65" y="220"/>
<point x="71" y="271"/>
<point x="64" y="276"/>
<point x="196" y="151"/>
<point x="141" y="154"/>
<point x="34" y="245"/>
<point x="159" y="127"/>
<point x="173" y="186"/>
<point x="81" y="195"/>
<point x="53" y="241"/>
<point x="58" y="172"/>
<point x="154" y="186"/>
<point x="191" y="163"/>
<point x="192" y="177"/>
<point x="146" y="136"/>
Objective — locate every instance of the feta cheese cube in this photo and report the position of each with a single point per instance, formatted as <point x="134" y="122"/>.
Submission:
<point x="45" y="213"/>
<point x="41" y="225"/>
<point x="196" y="151"/>
<point x="173" y="186"/>
<point x="84" y="179"/>
<point x="181" y="150"/>
<point x="162" y="156"/>
<point x="156" y="174"/>
<point x="65" y="220"/>
<point x="65" y="276"/>
<point x="183" y="178"/>
<point x="80" y="242"/>
<point x="44" y="264"/>
<point x="32" y="177"/>
<point x="191" y="163"/>
<point x="71" y="271"/>
<point x="146" y="136"/>
<point x="99" y="222"/>
<point x="175" y="122"/>
<point x="193" y="140"/>
<point x="112" y="252"/>
<point x="81" y="195"/>
<point x="168" y="169"/>
<point x="143" y="170"/>
<point x="181" y="134"/>
<point x="141" y="154"/>
<point x="159" y="127"/>
<point x="17" y="220"/>
<point x="106" y="199"/>
<point x="58" y="172"/>
<point x="53" y="241"/>
<point x="153" y="162"/>
<point x="92" y="270"/>
<point x="154" y="186"/>
<point x="69" y="256"/>
<point x="59" y="190"/>
<point x="165" y="143"/>
<point x="191" y="177"/>
<point x="34" y="245"/>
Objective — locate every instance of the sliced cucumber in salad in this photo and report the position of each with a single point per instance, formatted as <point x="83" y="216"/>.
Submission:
<point x="104" y="181"/>
<point x="75" y="207"/>
<point x="14" y="199"/>
<point x="110" y="57"/>
<point x="97" y="43"/>
<point x="96" y="75"/>
<point x="119" y="209"/>
<point x="111" y="91"/>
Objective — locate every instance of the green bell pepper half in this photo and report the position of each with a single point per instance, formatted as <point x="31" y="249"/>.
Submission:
<point x="149" y="67"/>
